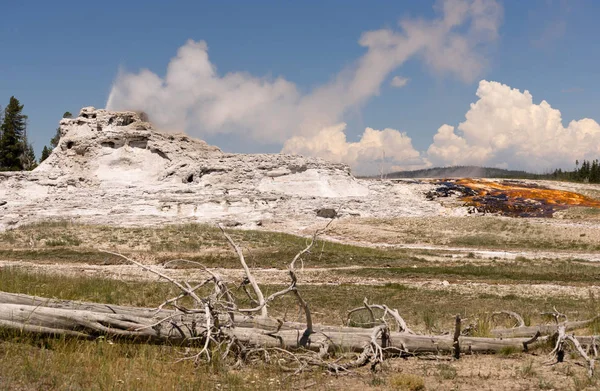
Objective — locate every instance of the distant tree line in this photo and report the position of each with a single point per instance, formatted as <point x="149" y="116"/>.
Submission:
<point x="588" y="172"/>
<point x="16" y="152"/>
<point x="465" y="172"/>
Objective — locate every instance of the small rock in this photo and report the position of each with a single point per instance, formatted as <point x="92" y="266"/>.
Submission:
<point x="445" y="283"/>
<point x="230" y="223"/>
<point x="3" y="203"/>
<point x="327" y="213"/>
<point x="278" y="173"/>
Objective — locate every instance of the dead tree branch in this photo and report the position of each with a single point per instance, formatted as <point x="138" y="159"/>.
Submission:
<point x="261" y="299"/>
<point x="217" y="325"/>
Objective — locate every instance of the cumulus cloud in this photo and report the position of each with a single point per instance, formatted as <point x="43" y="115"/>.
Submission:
<point x="377" y="149"/>
<point x="505" y="128"/>
<point x="194" y="97"/>
<point x="398" y="81"/>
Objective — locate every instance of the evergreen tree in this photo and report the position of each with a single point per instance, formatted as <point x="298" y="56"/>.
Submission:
<point x="13" y="130"/>
<point x="45" y="153"/>
<point x="584" y="171"/>
<point x="28" y="157"/>
<point x="593" y="168"/>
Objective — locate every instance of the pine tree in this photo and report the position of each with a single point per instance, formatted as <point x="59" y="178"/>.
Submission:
<point x="28" y="157"/>
<point x="584" y="171"/>
<point x="595" y="172"/>
<point x="13" y="130"/>
<point x="45" y="153"/>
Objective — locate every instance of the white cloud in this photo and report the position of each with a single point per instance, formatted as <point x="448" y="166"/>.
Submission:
<point x="398" y="81"/>
<point x="504" y="128"/>
<point x="195" y="98"/>
<point x="386" y="149"/>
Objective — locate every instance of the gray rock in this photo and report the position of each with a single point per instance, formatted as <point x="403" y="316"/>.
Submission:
<point x="327" y="213"/>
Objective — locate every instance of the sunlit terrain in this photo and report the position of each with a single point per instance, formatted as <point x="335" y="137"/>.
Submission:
<point x="514" y="198"/>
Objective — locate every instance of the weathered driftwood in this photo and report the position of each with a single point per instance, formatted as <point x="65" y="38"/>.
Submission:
<point x="18" y="298"/>
<point x="70" y="319"/>
<point x="549" y="329"/>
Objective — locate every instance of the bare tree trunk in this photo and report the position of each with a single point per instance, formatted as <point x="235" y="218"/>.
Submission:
<point x="91" y="320"/>
<point x="217" y="324"/>
<point x="530" y="331"/>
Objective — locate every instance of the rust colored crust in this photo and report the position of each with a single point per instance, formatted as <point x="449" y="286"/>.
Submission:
<point x="514" y="198"/>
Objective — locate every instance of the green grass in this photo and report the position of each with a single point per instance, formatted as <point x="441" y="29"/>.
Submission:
<point x="28" y="362"/>
<point x="66" y="242"/>
<point x="61" y="255"/>
<point x="555" y="271"/>
<point x="329" y="303"/>
<point x="32" y="363"/>
<point x="490" y="232"/>
<point x="63" y="240"/>
<point x="85" y="288"/>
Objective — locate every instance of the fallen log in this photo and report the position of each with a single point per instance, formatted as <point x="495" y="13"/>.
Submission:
<point x="216" y="324"/>
<point x="550" y="329"/>
<point x="267" y="324"/>
<point x="179" y="327"/>
<point x="18" y="298"/>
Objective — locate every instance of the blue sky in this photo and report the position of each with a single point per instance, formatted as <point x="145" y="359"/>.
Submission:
<point x="58" y="58"/>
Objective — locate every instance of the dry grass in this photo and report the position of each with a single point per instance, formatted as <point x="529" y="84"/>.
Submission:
<point x="521" y="270"/>
<point x="31" y="363"/>
<point x="490" y="232"/>
<point x="196" y="242"/>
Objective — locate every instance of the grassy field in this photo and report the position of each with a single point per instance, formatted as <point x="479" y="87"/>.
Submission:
<point x="520" y="270"/>
<point x="43" y="363"/>
<point x="32" y="363"/>
<point x="488" y="232"/>
<point x="196" y="242"/>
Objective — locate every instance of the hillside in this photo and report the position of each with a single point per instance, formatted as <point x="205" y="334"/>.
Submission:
<point x="464" y="172"/>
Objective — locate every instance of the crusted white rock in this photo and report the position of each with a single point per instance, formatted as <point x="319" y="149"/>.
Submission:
<point x="114" y="168"/>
